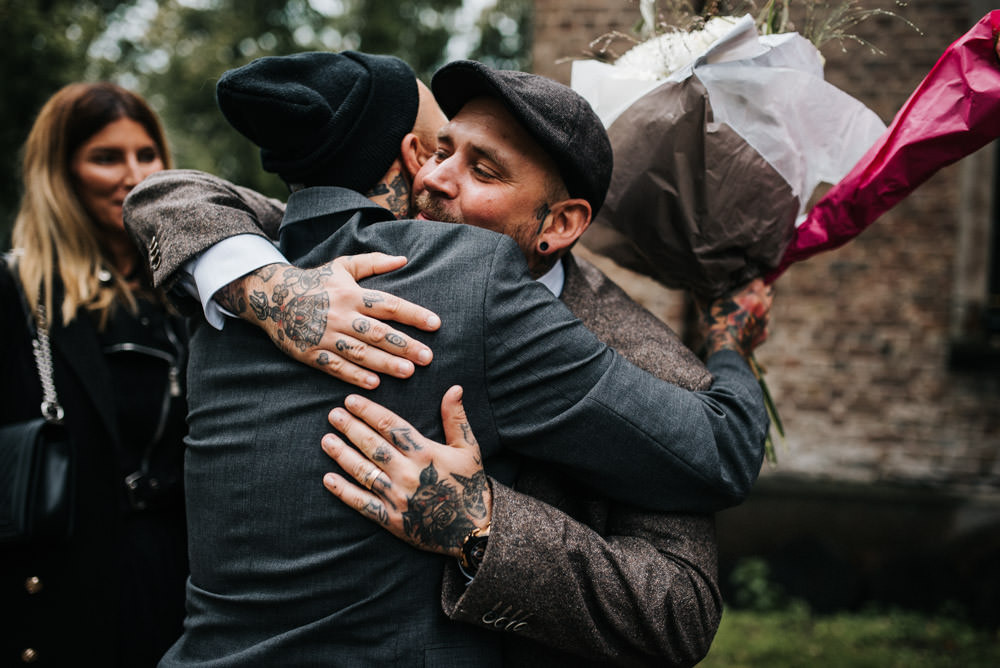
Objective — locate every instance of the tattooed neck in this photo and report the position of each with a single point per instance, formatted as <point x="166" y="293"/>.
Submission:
<point x="393" y="193"/>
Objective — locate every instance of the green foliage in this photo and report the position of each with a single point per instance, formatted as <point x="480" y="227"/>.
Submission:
<point x="752" y="586"/>
<point x="173" y="52"/>
<point x="505" y="30"/>
<point x="764" y="627"/>
<point x="45" y="45"/>
<point x="871" y="639"/>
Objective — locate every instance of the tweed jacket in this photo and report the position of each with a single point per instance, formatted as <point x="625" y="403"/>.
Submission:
<point x="487" y="407"/>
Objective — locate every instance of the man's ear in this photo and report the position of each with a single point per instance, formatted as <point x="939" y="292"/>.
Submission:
<point x="568" y="219"/>
<point x="413" y="153"/>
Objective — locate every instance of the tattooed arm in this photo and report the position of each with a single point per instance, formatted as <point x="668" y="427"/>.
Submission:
<point x="322" y="318"/>
<point x="615" y="584"/>
<point x="432" y="495"/>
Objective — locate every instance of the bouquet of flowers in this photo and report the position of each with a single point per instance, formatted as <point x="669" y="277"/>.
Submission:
<point x="721" y="135"/>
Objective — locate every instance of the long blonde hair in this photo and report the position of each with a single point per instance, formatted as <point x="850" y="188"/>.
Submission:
<point x="53" y="233"/>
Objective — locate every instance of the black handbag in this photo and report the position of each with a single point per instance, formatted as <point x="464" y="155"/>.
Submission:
<point x="37" y="464"/>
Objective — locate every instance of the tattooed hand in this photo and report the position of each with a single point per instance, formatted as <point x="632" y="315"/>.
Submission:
<point x="427" y="493"/>
<point x="738" y="321"/>
<point x="323" y="318"/>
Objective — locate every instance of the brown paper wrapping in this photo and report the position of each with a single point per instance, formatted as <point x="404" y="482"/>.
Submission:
<point x="691" y="203"/>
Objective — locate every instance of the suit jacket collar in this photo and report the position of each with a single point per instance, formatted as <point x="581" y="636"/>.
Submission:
<point x="314" y="214"/>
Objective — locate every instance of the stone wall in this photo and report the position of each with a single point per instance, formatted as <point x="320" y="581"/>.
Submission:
<point x="859" y="360"/>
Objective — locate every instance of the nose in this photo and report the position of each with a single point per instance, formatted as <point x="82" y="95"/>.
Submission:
<point x="440" y="179"/>
<point x="136" y="170"/>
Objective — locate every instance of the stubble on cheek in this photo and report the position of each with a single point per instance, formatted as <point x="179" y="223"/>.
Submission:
<point x="433" y="209"/>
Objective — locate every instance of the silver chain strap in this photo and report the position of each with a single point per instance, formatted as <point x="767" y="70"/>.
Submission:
<point x="52" y="411"/>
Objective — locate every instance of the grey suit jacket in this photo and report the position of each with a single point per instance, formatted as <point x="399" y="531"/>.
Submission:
<point x="572" y="578"/>
<point x="535" y="380"/>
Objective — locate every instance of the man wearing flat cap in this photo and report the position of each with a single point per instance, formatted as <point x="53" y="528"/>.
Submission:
<point x="283" y="573"/>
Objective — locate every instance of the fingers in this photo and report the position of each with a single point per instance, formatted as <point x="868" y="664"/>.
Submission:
<point x="352" y="328"/>
<point x="375" y="423"/>
<point x="344" y="335"/>
<point x="356" y="362"/>
<point x="354" y="464"/>
<point x="364" y="502"/>
<point x="369" y="442"/>
<point x="383" y="305"/>
<point x="370" y="264"/>
<point x="456" y="425"/>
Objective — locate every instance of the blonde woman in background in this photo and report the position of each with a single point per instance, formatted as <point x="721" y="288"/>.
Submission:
<point x="114" y="592"/>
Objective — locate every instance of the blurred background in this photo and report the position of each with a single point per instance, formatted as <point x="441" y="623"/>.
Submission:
<point x="173" y="51"/>
<point x="884" y="358"/>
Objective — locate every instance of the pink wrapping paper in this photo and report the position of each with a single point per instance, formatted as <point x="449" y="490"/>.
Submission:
<point x="953" y="112"/>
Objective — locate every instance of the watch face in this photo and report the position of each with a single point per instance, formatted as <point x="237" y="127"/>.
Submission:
<point x="478" y="550"/>
<point x="474" y="550"/>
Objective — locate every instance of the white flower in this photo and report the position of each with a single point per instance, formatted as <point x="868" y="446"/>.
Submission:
<point x="659" y="57"/>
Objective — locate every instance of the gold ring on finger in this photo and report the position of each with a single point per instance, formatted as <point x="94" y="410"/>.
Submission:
<point x="372" y="477"/>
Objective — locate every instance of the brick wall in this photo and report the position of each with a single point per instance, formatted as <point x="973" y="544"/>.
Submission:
<point x="858" y="357"/>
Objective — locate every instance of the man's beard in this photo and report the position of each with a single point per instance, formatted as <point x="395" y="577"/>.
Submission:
<point x="522" y="233"/>
<point x="434" y="208"/>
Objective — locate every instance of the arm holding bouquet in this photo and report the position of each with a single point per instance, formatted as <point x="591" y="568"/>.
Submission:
<point x="581" y="587"/>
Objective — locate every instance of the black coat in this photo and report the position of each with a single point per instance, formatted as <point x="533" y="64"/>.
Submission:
<point x="114" y="592"/>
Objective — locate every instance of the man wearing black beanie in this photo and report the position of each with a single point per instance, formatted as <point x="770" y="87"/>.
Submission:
<point x="344" y="603"/>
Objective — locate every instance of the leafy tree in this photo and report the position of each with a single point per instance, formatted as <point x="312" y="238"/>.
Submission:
<point x="188" y="45"/>
<point x="173" y="52"/>
<point x="45" y="47"/>
<point x="505" y="35"/>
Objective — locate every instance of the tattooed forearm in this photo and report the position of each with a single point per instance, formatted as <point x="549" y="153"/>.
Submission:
<point x="231" y="298"/>
<point x="267" y="272"/>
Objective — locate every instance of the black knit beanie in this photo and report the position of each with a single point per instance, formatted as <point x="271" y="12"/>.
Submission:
<point x="323" y="118"/>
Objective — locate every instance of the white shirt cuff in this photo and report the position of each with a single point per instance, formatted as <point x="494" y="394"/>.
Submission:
<point x="223" y="263"/>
